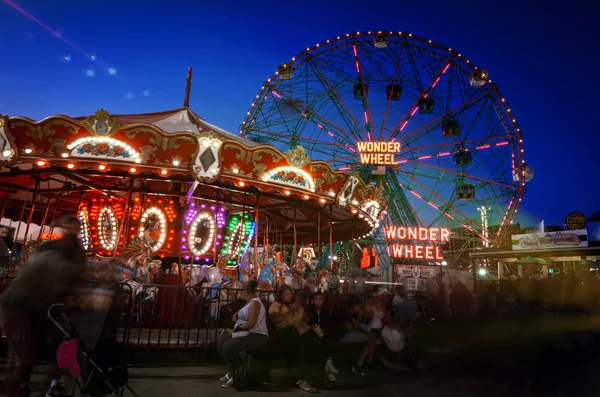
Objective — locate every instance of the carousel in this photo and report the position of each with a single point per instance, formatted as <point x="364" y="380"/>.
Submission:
<point x="168" y="193"/>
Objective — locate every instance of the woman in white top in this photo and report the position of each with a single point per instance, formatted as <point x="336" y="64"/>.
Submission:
<point x="250" y="330"/>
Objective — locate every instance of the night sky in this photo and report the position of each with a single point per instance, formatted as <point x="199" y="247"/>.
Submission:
<point x="544" y="59"/>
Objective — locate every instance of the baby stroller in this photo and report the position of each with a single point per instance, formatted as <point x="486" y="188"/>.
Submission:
<point x="94" y="360"/>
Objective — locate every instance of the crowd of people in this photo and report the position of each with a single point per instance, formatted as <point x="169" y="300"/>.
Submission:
<point x="310" y="331"/>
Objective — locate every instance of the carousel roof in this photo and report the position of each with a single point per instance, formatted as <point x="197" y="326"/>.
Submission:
<point x="55" y="164"/>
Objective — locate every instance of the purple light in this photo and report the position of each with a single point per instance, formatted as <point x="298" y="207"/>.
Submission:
<point x="187" y="257"/>
<point x="206" y="260"/>
<point x="192" y="204"/>
<point x="185" y="232"/>
<point x="217" y="243"/>
<point x="183" y="240"/>
<point x="203" y="206"/>
<point x="222" y="209"/>
<point x="197" y="258"/>
<point x="212" y="207"/>
<point x="184" y="247"/>
<point x="218" y="236"/>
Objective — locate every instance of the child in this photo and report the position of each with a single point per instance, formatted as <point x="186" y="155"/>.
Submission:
<point x="320" y="322"/>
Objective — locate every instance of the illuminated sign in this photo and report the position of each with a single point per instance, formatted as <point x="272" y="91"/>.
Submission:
<point x="378" y="153"/>
<point x="417" y="251"/>
<point x="575" y="221"/>
<point x="51" y="236"/>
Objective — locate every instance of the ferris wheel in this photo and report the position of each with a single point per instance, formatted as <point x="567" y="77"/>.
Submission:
<point x="458" y="152"/>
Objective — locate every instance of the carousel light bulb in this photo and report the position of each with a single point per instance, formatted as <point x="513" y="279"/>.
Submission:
<point x="235" y="171"/>
<point x="70" y="166"/>
<point x="101" y="167"/>
<point x="133" y="170"/>
<point x="164" y="172"/>
<point x="322" y="201"/>
<point x="176" y="163"/>
<point x="28" y="151"/>
<point x="41" y="163"/>
<point x="65" y="155"/>
<point x="287" y="192"/>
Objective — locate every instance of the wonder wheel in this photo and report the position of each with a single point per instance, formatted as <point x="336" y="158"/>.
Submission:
<point x="460" y="161"/>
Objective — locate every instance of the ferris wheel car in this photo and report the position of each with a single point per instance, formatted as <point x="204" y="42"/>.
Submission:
<point x="426" y="105"/>
<point x="478" y="78"/>
<point x="450" y="128"/>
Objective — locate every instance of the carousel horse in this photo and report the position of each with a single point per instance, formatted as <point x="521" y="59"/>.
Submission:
<point x="327" y="280"/>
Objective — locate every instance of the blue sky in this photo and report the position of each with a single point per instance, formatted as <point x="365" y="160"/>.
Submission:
<point x="543" y="59"/>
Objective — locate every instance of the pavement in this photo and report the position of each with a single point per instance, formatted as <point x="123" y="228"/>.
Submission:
<point x="203" y="381"/>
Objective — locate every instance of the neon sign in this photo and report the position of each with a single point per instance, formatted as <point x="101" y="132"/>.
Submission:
<point x="378" y="153"/>
<point x="417" y="251"/>
<point x="51" y="236"/>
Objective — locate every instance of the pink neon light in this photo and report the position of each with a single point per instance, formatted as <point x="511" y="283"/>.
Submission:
<point x="425" y="95"/>
<point x="502" y="143"/>
<point x="402" y="161"/>
<point x="304" y="114"/>
<point x="357" y="67"/>
<point x="403" y="125"/>
<point x="366" y="118"/>
<point x="443" y="154"/>
<point x="435" y="82"/>
<point x="355" y="50"/>
<point x="320" y="126"/>
<point x="414" y="111"/>
<point x="276" y="94"/>
<point x="344" y="168"/>
<point x="424" y="157"/>
<point x="483" y="146"/>
<point x="446" y="68"/>
<point x="416" y="194"/>
<point x="329" y="133"/>
<point x="351" y="149"/>
<point x="449" y="216"/>
<point x="433" y="205"/>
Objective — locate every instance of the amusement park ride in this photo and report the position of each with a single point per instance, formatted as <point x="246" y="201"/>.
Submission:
<point x="357" y="133"/>
<point x="449" y="143"/>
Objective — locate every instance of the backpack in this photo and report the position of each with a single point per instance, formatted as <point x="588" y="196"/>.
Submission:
<point x="248" y="373"/>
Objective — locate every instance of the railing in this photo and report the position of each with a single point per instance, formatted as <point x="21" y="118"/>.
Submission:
<point x="179" y="324"/>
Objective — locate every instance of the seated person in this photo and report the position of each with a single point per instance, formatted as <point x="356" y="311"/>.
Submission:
<point x="249" y="332"/>
<point x="320" y="322"/>
<point x="355" y="331"/>
<point x="294" y="334"/>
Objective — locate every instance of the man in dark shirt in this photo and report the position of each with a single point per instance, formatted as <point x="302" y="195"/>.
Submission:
<point x="49" y="277"/>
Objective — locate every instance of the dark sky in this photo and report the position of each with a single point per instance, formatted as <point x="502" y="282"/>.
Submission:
<point x="542" y="54"/>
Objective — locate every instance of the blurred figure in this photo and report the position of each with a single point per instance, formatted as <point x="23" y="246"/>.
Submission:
<point x="50" y="276"/>
<point x="320" y="322"/>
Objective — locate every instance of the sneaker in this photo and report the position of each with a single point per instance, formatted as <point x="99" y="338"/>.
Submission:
<point x="304" y="385"/>
<point x="228" y="384"/>
<point x="331" y="378"/>
<point x="225" y="378"/>
<point x="358" y="370"/>
<point x="330" y="368"/>
<point x="58" y="391"/>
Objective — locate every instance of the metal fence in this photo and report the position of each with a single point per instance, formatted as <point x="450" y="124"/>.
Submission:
<point x="173" y="324"/>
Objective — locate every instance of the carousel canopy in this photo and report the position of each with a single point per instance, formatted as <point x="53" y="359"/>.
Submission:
<point x="54" y="166"/>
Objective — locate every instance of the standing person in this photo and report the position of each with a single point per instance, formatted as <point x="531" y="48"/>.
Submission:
<point x="294" y="334"/>
<point x="320" y="322"/>
<point x="250" y="330"/>
<point x="48" y="277"/>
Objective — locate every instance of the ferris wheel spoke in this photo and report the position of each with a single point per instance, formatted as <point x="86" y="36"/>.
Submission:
<point x="415" y="106"/>
<point x="427" y="128"/>
<point x="365" y="100"/>
<point x="463" y="175"/>
<point x="353" y="126"/>
<point x="389" y="100"/>
<point x="400" y="210"/>
<point x="313" y="117"/>
<point x="454" y="213"/>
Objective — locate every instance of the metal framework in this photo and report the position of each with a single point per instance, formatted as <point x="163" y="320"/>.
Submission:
<point x="461" y="148"/>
